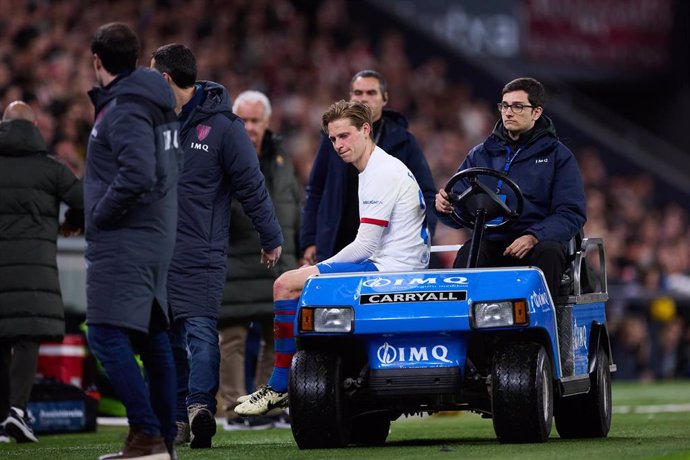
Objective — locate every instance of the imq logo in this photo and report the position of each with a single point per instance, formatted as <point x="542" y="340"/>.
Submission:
<point x="382" y="282"/>
<point x="388" y="354"/>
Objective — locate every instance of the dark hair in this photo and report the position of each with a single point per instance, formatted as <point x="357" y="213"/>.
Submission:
<point x="536" y="94"/>
<point x="357" y="112"/>
<point x="368" y="73"/>
<point x="117" y="46"/>
<point x="178" y="61"/>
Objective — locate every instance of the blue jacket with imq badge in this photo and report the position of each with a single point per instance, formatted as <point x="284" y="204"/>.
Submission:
<point x="130" y="199"/>
<point x="546" y="172"/>
<point x="219" y="163"/>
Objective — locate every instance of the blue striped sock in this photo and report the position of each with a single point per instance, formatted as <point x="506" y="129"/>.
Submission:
<point x="284" y="339"/>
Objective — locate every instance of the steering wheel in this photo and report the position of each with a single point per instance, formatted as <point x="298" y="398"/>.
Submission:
<point x="478" y="196"/>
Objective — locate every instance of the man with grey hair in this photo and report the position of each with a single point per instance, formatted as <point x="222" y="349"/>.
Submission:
<point x="247" y="299"/>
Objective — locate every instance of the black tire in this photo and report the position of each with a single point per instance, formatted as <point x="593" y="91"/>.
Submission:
<point x="371" y="429"/>
<point x="317" y="404"/>
<point x="588" y="415"/>
<point x="522" y="393"/>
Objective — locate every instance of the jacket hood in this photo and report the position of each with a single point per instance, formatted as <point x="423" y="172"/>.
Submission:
<point x="142" y="82"/>
<point x="216" y="100"/>
<point x="543" y="127"/>
<point x="20" y="138"/>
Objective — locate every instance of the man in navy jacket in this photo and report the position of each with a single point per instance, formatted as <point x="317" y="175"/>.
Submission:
<point x="524" y="146"/>
<point x="330" y="217"/>
<point x="130" y="201"/>
<point x="219" y="163"/>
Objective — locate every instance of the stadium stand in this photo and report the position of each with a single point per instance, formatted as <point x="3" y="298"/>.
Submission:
<point x="302" y="53"/>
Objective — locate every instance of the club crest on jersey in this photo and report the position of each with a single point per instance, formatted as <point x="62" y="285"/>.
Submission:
<point x="202" y="131"/>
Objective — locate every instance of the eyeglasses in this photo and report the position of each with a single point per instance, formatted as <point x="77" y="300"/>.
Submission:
<point x="516" y="107"/>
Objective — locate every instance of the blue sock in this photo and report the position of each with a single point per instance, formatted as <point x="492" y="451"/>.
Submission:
<point x="284" y="340"/>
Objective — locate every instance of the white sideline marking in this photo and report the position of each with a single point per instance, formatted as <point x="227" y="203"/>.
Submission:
<point x="651" y="409"/>
<point x="122" y="421"/>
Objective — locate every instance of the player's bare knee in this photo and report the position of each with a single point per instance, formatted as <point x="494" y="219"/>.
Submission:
<point x="281" y="287"/>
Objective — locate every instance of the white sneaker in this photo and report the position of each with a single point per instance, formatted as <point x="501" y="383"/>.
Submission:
<point x="241" y="399"/>
<point x="261" y="401"/>
<point x="3" y="436"/>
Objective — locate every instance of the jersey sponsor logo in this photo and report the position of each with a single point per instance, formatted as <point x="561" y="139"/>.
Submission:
<point x="388" y="354"/>
<point x="406" y="297"/>
<point x="541" y="160"/>
<point x="372" y="202"/>
<point x="199" y="146"/>
<point x="202" y="131"/>
<point x="381" y="282"/>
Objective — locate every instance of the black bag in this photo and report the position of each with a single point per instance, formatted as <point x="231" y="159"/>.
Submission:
<point x="57" y="407"/>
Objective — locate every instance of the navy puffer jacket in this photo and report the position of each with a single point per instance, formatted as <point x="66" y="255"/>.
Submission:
<point x="220" y="163"/>
<point x="130" y="198"/>
<point x="548" y="176"/>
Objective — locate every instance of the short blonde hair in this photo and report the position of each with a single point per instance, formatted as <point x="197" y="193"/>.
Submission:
<point x="357" y="112"/>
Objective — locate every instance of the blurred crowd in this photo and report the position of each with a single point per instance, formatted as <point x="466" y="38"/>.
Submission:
<point x="302" y="54"/>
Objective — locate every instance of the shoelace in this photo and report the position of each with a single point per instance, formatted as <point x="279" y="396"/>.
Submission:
<point x="260" y="393"/>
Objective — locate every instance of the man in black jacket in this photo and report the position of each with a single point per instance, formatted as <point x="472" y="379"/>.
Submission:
<point x="32" y="185"/>
<point x="219" y="163"/>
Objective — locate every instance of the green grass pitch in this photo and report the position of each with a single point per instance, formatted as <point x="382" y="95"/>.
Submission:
<point x="649" y="421"/>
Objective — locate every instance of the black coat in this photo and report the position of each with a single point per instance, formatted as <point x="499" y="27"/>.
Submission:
<point x="32" y="185"/>
<point x="249" y="287"/>
<point x="130" y="194"/>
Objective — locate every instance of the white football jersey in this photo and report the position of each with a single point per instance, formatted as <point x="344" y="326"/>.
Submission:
<point x="390" y="197"/>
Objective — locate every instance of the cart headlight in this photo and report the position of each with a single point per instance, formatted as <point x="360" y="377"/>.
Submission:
<point x="326" y="319"/>
<point x="498" y="314"/>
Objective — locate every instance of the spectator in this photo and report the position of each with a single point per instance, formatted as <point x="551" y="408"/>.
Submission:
<point x="524" y="146"/>
<point x="330" y="218"/>
<point x="131" y="213"/>
<point x="392" y="236"/>
<point x="219" y="161"/>
<point x="667" y="353"/>
<point x="630" y="347"/>
<point x="248" y="287"/>
<point x="32" y="185"/>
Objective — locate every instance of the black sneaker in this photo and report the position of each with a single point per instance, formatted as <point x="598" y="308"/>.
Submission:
<point x="19" y="427"/>
<point x="248" y="423"/>
<point x="202" y="425"/>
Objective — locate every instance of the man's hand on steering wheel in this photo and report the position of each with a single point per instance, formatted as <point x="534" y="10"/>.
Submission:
<point x="442" y="202"/>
